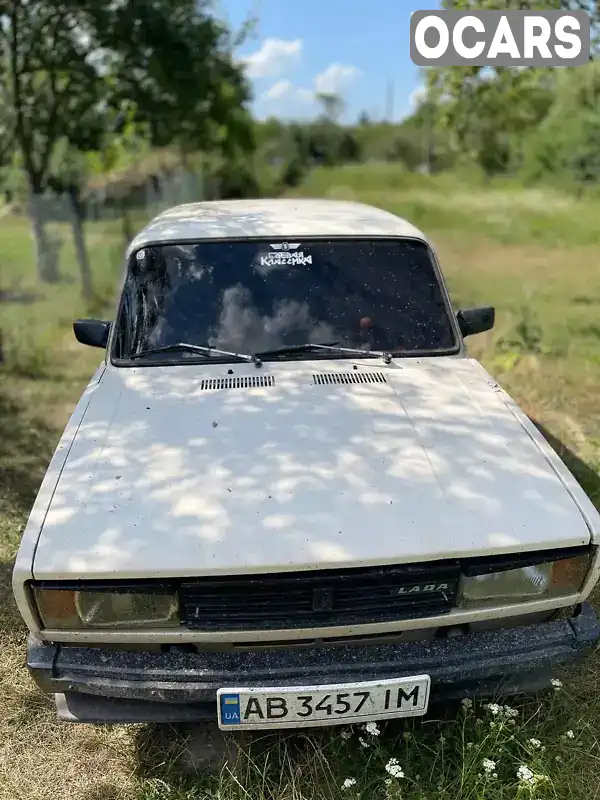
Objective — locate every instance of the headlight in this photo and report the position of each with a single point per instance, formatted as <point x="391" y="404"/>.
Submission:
<point x="70" y="609"/>
<point x="537" y="582"/>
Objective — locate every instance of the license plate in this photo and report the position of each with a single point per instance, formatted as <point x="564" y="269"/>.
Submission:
<point x="310" y="706"/>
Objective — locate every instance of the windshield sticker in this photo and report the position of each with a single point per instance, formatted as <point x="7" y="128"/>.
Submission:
<point x="140" y="255"/>
<point x="286" y="253"/>
<point x="285" y="246"/>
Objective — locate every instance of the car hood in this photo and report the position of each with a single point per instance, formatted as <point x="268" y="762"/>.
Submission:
<point x="190" y="470"/>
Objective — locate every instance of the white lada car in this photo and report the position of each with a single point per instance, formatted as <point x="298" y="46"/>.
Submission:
<point x="288" y="497"/>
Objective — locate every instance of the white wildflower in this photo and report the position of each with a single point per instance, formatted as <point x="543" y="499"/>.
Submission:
<point x="534" y="743"/>
<point x="489" y="766"/>
<point x="363" y="742"/>
<point x="493" y="708"/>
<point x="394" y="769"/>
<point x="372" y="729"/>
<point x="349" y="783"/>
<point x="511" y="712"/>
<point x="346" y="733"/>
<point x="467" y="702"/>
<point x="470" y="745"/>
<point x="525" y="775"/>
<point x="557" y="685"/>
<point x="569" y="734"/>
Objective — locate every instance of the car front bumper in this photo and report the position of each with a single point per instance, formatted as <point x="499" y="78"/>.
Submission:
<point x="92" y="684"/>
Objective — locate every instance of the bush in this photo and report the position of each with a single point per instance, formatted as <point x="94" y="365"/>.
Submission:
<point x="236" y="180"/>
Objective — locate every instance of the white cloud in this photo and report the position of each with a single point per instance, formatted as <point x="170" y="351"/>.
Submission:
<point x="285" y="90"/>
<point x="278" y="90"/>
<point x="335" y="78"/>
<point x="273" y="58"/>
<point x="286" y="99"/>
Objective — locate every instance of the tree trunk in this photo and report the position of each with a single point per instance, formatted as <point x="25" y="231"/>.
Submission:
<point x="87" y="288"/>
<point x="153" y="196"/>
<point x="46" y="258"/>
<point x="126" y="221"/>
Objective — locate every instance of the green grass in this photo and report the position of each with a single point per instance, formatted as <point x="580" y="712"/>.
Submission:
<point x="477" y="752"/>
<point x="535" y="255"/>
<point x="507" y="213"/>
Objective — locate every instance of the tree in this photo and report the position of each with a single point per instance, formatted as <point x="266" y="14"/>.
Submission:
<point x="567" y="143"/>
<point x="333" y="106"/>
<point x="51" y="91"/>
<point x="67" y="65"/>
<point x="488" y="111"/>
<point x="173" y="61"/>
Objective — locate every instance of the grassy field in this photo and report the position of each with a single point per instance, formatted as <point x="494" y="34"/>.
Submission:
<point x="535" y="255"/>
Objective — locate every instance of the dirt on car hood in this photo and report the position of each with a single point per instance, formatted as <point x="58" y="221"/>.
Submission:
<point x="189" y="470"/>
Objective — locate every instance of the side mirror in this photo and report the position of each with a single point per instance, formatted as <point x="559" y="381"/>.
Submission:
<point x="93" y="332"/>
<point x="476" y="320"/>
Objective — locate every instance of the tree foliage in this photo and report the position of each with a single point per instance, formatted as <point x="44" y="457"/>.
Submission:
<point x="50" y="89"/>
<point x="491" y="114"/>
<point x="76" y="76"/>
<point x="69" y="66"/>
<point x="566" y="145"/>
<point x="173" y="60"/>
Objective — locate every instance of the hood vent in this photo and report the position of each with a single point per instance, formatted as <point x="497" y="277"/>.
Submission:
<point x="330" y="378"/>
<point x="243" y="382"/>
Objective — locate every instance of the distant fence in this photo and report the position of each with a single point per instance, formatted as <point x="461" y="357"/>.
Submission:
<point x="63" y="232"/>
<point x="147" y="196"/>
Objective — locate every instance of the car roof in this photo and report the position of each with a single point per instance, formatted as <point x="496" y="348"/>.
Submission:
<point x="280" y="217"/>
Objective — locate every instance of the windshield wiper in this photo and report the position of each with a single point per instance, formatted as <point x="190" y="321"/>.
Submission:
<point x="308" y="346"/>
<point x="192" y="348"/>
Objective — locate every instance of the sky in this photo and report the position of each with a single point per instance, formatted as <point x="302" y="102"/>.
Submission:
<point x="356" y="48"/>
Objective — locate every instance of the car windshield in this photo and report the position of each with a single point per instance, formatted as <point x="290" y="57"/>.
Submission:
<point x="258" y="296"/>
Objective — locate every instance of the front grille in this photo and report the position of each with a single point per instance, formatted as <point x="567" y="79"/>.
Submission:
<point x="322" y="598"/>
